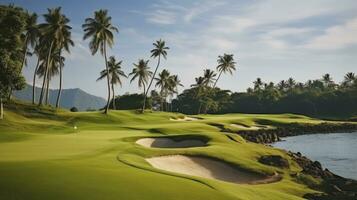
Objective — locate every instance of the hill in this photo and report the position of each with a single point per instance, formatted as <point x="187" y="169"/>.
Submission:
<point x="69" y="98"/>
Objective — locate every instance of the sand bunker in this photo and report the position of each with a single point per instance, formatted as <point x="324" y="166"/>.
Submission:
<point x="208" y="168"/>
<point x="184" y="119"/>
<point x="170" y="143"/>
<point x="249" y="127"/>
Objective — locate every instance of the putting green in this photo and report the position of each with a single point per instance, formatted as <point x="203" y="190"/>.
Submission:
<point x="42" y="156"/>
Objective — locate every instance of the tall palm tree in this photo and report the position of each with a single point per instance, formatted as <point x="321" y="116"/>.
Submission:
<point x="164" y="83"/>
<point x="199" y="85"/>
<point x="225" y="64"/>
<point x="63" y="43"/>
<point x="175" y="82"/>
<point x="159" y="50"/>
<point x="30" y="36"/>
<point x="209" y="76"/>
<point x="53" y="30"/>
<point x="115" y="72"/>
<point x="142" y="72"/>
<point x="40" y="56"/>
<point x="100" y="30"/>
<point x="49" y="69"/>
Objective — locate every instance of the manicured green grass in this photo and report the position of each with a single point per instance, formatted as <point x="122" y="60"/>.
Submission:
<point x="42" y="156"/>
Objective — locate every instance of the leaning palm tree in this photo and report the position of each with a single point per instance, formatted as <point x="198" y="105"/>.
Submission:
<point x="30" y="36"/>
<point x="40" y="56"/>
<point x="164" y="83"/>
<point x="114" y="75"/>
<point x="100" y="30"/>
<point x="63" y="43"/>
<point x="157" y="52"/>
<point x="142" y="72"/>
<point x="225" y="64"/>
<point x="52" y="29"/>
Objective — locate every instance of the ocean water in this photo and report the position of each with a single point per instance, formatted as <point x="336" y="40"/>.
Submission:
<point x="335" y="151"/>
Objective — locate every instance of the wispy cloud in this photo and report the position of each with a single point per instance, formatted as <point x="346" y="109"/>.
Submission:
<point x="336" y="37"/>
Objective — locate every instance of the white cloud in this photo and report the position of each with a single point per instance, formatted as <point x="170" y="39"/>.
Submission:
<point x="162" y="17"/>
<point x="336" y="37"/>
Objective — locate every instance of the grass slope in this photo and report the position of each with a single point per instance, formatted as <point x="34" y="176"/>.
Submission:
<point x="42" y="156"/>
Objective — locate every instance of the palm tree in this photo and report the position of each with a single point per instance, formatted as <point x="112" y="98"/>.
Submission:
<point x="31" y="35"/>
<point x="199" y="85"/>
<point x="114" y="75"/>
<point x="53" y="30"/>
<point x="157" y="52"/>
<point x="142" y="72"/>
<point x="291" y="83"/>
<point x="258" y="84"/>
<point x="175" y="82"/>
<point x="164" y="83"/>
<point x="327" y="80"/>
<point x="63" y="43"/>
<point x="40" y="56"/>
<point x="209" y="76"/>
<point x="49" y="69"/>
<point x="349" y="78"/>
<point x="282" y="85"/>
<point x="100" y="29"/>
<point x="225" y="64"/>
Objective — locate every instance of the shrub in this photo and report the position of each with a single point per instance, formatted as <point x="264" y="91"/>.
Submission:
<point x="74" y="109"/>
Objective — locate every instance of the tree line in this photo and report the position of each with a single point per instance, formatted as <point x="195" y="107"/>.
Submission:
<point x="320" y="97"/>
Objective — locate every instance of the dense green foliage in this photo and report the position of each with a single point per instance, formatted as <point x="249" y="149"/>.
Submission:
<point x="315" y="97"/>
<point x="130" y="102"/>
<point x="13" y="21"/>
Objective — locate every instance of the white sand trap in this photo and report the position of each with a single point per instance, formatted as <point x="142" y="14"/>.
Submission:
<point x="250" y="127"/>
<point x="170" y="143"/>
<point x="185" y="119"/>
<point x="208" y="168"/>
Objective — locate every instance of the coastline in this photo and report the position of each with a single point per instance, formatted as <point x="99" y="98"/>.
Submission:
<point x="332" y="186"/>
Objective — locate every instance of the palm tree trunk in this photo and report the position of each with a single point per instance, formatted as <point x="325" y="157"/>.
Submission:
<point x="47" y="90"/>
<point x="60" y="86"/>
<point x="1" y="109"/>
<point x="46" y="74"/>
<point x="24" y="58"/>
<point x="152" y="78"/>
<point x="108" y="81"/>
<point x="34" y="80"/>
<point x="199" y="108"/>
<point x="113" y="101"/>
<point x="217" y="79"/>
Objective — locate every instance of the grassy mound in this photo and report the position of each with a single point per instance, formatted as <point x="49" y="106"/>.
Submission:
<point x="42" y="156"/>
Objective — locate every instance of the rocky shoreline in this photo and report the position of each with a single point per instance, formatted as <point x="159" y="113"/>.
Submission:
<point x="292" y="129"/>
<point x="334" y="187"/>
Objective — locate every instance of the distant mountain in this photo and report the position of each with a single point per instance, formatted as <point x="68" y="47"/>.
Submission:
<point x="69" y="98"/>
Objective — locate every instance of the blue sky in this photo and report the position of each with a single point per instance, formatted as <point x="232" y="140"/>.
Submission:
<point x="271" y="39"/>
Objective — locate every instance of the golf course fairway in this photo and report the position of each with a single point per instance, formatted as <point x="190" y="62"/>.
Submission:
<point x="46" y="154"/>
